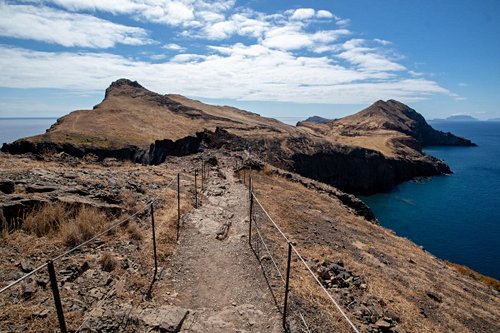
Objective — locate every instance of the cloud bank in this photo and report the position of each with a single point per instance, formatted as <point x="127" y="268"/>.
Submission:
<point x="302" y="55"/>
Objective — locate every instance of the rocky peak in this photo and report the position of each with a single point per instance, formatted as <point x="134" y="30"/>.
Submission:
<point x="123" y="86"/>
<point x="396" y="116"/>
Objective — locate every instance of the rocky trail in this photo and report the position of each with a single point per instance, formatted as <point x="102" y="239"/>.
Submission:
<point x="213" y="272"/>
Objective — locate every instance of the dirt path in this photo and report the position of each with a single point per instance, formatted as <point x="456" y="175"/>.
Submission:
<point x="215" y="274"/>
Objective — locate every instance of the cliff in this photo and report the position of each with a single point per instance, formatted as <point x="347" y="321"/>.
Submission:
<point x="368" y="152"/>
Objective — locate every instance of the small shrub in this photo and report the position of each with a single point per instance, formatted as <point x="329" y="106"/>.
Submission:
<point x="130" y="201"/>
<point x="88" y="221"/>
<point x="134" y="232"/>
<point x="108" y="262"/>
<point x="268" y="170"/>
<point x="46" y="219"/>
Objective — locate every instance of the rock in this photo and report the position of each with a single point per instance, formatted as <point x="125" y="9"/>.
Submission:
<point x="26" y="266"/>
<point x="223" y="230"/>
<point x="167" y="318"/>
<point x="40" y="188"/>
<point x="42" y="282"/>
<point x="434" y="296"/>
<point x="383" y="324"/>
<point x="42" y="313"/>
<point x="7" y="186"/>
<point x="28" y="290"/>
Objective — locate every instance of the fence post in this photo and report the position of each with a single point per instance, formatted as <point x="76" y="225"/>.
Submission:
<point x="250" y="219"/>
<point x="154" y="240"/>
<point x="244" y="176"/>
<point x="287" y="284"/>
<point x="57" y="297"/>
<point x="196" y="188"/>
<point x="202" y="175"/>
<point x="178" y="204"/>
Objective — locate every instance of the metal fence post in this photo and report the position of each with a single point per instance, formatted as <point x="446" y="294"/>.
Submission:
<point x="57" y="297"/>
<point x="178" y="204"/>
<point x="202" y="175"/>
<point x="250" y="219"/>
<point x="196" y="188"/>
<point x="287" y="284"/>
<point x="154" y="240"/>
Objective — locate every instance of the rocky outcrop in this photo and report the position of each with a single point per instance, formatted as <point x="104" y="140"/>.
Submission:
<point x="363" y="171"/>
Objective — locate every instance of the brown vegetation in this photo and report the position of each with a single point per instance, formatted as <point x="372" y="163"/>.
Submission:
<point x="107" y="261"/>
<point x="87" y="222"/>
<point x="397" y="273"/>
<point x="46" y="219"/>
<point x="486" y="280"/>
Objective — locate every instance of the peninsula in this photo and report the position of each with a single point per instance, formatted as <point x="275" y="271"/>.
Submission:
<point x="125" y="160"/>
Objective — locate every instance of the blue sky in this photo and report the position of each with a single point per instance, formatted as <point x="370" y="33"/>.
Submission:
<point x="277" y="58"/>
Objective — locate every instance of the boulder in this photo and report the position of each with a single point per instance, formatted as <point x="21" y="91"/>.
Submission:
<point x="167" y="318"/>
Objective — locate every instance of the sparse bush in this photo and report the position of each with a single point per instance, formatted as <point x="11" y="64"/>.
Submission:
<point x="46" y="219"/>
<point x="88" y="221"/>
<point x="268" y="170"/>
<point x="108" y="262"/>
<point x="134" y="232"/>
<point x="129" y="201"/>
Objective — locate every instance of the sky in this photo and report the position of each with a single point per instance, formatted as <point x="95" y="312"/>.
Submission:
<point x="277" y="58"/>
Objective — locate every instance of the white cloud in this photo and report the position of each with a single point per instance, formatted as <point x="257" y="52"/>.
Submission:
<point x="236" y="72"/>
<point x="221" y="30"/>
<point x="462" y="84"/>
<point x="287" y="38"/>
<point x="169" y="12"/>
<point x="324" y="14"/>
<point x="173" y="47"/>
<point x="367" y="59"/>
<point x="293" y="37"/>
<point x="303" y="14"/>
<point x="187" y="57"/>
<point x="68" y="29"/>
<point x="273" y="67"/>
<point x="382" y="41"/>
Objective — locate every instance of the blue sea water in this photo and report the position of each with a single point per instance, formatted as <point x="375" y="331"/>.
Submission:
<point x="12" y="129"/>
<point x="454" y="217"/>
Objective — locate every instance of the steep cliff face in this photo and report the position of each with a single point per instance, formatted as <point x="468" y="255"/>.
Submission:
<point x="367" y="152"/>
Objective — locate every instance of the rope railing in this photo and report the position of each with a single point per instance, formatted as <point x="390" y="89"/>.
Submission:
<point x="174" y="183"/>
<point x="299" y="256"/>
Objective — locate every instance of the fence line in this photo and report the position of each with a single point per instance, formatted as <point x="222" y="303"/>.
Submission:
<point x="148" y="205"/>
<point x="117" y="224"/>
<point x="292" y="247"/>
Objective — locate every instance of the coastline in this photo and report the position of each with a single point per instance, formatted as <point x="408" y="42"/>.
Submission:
<point x="453" y="216"/>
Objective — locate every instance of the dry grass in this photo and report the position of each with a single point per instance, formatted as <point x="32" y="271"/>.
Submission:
<point x="46" y="219"/>
<point x="107" y="262"/>
<point x="88" y="221"/>
<point x="395" y="269"/>
<point x="134" y="232"/>
<point x="486" y="280"/>
<point x="130" y="201"/>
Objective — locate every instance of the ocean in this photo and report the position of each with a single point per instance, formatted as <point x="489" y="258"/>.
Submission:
<point x="454" y="217"/>
<point x="12" y="129"/>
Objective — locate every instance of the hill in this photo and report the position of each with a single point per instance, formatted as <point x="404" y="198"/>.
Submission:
<point x="315" y="119"/>
<point x="368" y="152"/>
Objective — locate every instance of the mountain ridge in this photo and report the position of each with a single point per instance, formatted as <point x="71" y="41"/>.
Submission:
<point x="363" y="153"/>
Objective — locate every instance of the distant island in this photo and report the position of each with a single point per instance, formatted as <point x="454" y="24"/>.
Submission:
<point x="316" y="119"/>
<point x="457" y="118"/>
